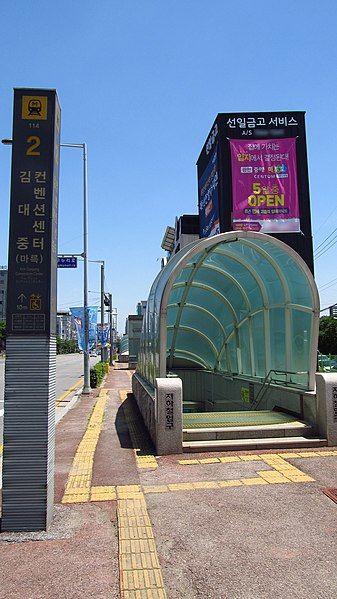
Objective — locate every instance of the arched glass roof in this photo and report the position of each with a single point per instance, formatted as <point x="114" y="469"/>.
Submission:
<point x="242" y="303"/>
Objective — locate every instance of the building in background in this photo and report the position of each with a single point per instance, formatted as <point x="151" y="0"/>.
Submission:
<point x="3" y="291"/>
<point x="65" y="328"/>
<point x="185" y="231"/>
<point x="333" y="311"/>
<point x="134" y="331"/>
<point x="141" y="307"/>
<point x="130" y="342"/>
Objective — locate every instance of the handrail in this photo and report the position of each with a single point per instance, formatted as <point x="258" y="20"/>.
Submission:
<point x="267" y="382"/>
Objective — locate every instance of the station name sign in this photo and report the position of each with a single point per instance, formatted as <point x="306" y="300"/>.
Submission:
<point x="31" y="299"/>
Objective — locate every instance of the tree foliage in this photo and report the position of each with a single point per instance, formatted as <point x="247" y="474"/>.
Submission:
<point x="327" y="340"/>
<point x="65" y="346"/>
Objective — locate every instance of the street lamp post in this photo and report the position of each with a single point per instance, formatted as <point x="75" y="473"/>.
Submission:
<point x="111" y="331"/>
<point x="102" y="311"/>
<point x="86" y="385"/>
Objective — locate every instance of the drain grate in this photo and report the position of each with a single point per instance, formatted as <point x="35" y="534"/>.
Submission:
<point x="331" y="493"/>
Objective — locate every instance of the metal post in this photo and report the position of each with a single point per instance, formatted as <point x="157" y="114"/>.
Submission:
<point x="111" y="326"/>
<point x="86" y="386"/>
<point x="86" y="364"/>
<point x="102" y="310"/>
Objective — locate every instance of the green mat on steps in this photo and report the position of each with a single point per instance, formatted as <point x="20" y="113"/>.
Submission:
<point x="244" y="418"/>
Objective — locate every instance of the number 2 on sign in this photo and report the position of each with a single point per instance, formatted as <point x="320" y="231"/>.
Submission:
<point x="34" y="142"/>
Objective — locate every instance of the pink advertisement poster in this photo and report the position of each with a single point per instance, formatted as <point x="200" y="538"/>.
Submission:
<point x="264" y="183"/>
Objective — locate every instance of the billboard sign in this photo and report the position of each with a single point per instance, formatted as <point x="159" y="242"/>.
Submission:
<point x="31" y="305"/>
<point x="262" y="177"/>
<point x="208" y="197"/>
<point x="264" y="185"/>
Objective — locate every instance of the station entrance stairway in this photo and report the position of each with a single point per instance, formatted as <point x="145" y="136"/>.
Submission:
<point x="259" y="429"/>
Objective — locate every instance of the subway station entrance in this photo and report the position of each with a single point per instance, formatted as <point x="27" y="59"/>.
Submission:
<point x="236" y="318"/>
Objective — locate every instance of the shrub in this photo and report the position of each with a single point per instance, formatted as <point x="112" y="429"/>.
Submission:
<point x="97" y="373"/>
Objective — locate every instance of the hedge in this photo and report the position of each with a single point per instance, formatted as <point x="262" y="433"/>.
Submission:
<point x="97" y="373"/>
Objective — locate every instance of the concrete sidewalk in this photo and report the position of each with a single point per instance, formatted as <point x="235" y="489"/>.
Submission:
<point x="130" y="525"/>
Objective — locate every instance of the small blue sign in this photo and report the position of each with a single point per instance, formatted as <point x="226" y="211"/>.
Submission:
<point x="67" y="262"/>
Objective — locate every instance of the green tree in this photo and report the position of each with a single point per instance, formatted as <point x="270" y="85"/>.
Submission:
<point x="65" y="346"/>
<point x="327" y="340"/>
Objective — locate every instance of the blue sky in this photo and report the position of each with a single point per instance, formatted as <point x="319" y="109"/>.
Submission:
<point x="141" y="83"/>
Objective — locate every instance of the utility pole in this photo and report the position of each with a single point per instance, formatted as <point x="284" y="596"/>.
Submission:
<point x="111" y="330"/>
<point x="102" y="311"/>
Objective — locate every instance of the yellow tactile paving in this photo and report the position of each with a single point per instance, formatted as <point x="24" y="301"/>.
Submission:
<point x="273" y="477"/>
<point x="284" y="469"/>
<point x="269" y="458"/>
<point x="103" y="494"/>
<point x="229" y="483"/>
<point x="144" y="458"/>
<point x="140" y="572"/>
<point x="79" y="480"/>
<point x="253" y="481"/>
<point x="228" y="459"/>
<point x="156" y="489"/>
<point x="180" y="487"/>
<point x="220" y="460"/>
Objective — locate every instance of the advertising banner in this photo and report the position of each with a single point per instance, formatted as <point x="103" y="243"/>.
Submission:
<point x="264" y="184"/>
<point x="78" y="316"/>
<point x="103" y="334"/>
<point x="208" y="198"/>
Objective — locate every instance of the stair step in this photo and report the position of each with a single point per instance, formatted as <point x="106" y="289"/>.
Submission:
<point x="248" y="432"/>
<point x="258" y="443"/>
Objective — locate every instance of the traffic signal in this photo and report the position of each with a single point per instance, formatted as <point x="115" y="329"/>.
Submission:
<point x="106" y="299"/>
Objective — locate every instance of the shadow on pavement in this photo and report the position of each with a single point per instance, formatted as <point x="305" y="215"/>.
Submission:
<point x="130" y="426"/>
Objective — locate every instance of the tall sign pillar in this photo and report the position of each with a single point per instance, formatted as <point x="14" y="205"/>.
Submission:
<point x="30" y="374"/>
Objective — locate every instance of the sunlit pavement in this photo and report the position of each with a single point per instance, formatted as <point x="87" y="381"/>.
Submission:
<point x="130" y="524"/>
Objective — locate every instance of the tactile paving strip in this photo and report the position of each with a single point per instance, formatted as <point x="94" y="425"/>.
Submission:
<point x="79" y="480"/>
<point x="140" y="572"/>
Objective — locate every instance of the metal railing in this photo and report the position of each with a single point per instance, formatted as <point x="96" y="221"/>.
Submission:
<point x="268" y="380"/>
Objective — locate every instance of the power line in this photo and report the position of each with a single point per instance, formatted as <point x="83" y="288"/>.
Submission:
<point x="327" y="248"/>
<point x="327" y="218"/>
<point x="327" y="308"/>
<point x="328" y="284"/>
<point x="326" y="239"/>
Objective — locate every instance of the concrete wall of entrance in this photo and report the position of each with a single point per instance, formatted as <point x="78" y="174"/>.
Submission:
<point x="161" y="408"/>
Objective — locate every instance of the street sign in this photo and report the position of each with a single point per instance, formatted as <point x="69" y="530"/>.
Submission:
<point x="30" y="382"/>
<point x="31" y="305"/>
<point x="67" y="262"/>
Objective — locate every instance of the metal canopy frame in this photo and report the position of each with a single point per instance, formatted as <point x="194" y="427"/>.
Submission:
<point x="235" y="320"/>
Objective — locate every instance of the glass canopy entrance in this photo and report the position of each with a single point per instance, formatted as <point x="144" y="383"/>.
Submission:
<point x="242" y="304"/>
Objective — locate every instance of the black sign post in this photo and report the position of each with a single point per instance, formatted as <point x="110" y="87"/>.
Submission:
<point x="29" y="413"/>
